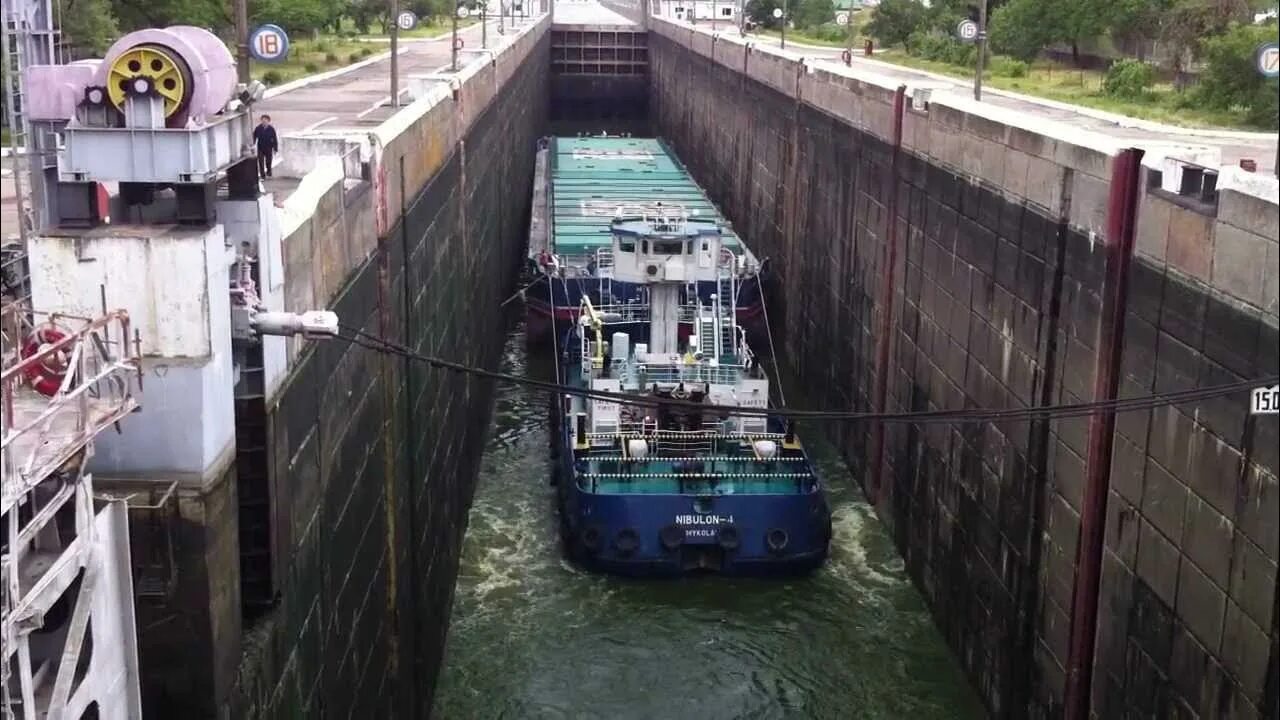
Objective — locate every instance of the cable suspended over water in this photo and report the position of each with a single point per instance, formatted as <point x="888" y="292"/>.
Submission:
<point x="1083" y="409"/>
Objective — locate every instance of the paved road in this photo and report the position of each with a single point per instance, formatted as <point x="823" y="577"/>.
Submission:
<point x="361" y="98"/>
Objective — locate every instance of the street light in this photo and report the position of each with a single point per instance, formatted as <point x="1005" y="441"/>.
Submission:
<point x="395" y="53"/>
<point x="982" y="49"/>
<point x="459" y="10"/>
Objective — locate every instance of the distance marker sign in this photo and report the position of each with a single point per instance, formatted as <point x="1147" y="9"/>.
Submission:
<point x="967" y="30"/>
<point x="406" y="20"/>
<point x="1267" y="57"/>
<point x="269" y="43"/>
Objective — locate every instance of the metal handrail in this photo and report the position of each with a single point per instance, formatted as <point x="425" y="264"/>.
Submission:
<point x="98" y="388"/>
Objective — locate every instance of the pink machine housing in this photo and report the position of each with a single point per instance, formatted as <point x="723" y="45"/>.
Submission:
<point x="56" y="90"/>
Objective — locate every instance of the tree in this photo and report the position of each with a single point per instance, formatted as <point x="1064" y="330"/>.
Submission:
<point x="137" y="14"/>
<point x="895" y="20"/>
<point x="760" y="12"/>
<point x="1230" y="78"/>
<point x="295" y="16"/>
<point x="1186" y="23"/>
<point x="88" y="27"/>
<point x="1022" y="28"/>
<point x="812" y="13"/>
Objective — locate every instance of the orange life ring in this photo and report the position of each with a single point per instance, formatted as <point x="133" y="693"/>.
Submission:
<point x="47" y="375"/>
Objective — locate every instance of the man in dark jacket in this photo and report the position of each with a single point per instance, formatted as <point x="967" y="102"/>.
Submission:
<point x="265" y="137"/>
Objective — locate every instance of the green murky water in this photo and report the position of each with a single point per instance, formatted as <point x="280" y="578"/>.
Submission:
<point x="534" y="637"/>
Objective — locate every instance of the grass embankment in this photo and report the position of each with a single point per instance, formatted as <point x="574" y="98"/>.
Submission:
<point x="432" y="29"/>
<point x="1055" y="81"/>
<point x="308" y="57"/>
<point x="328" y="52"/>
<point x="1045" y="79"/>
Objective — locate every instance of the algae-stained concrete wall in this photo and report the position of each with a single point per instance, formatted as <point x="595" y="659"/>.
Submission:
<point x="999" y="299"/>
<point x="374" y="457"/>
<point x="1189" y="571"/>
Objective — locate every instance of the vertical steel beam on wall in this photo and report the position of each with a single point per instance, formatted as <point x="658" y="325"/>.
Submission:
<point x="1122" y="210"/>
<point x="390" y="504"/>
<point x="880" y="390"/>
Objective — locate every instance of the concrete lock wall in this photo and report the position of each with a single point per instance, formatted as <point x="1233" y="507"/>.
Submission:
<point x="1010" y="284"/>
<point x="372" y="456"/>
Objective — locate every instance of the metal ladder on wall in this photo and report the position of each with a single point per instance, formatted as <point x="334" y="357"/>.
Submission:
<point x="727" y="298"/>
<point x="604" y="275"/>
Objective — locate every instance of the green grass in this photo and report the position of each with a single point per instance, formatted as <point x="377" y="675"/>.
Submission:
<point x="328" y="52"/>
<point x="427" y="28"/>
<point x="801" y="36"/>
<point x="1054" y="81"/>
<point x="4" y="137"/>
<point x="307" y="57"/>
<point x="435" y="28"/>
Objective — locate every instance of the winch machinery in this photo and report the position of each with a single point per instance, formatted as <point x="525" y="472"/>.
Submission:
<point x="163" y="109"/>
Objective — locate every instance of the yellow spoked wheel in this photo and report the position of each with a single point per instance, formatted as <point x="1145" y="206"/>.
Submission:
<point x="145" y="68"/>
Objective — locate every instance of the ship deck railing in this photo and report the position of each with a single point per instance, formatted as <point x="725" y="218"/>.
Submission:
<point x="648" y="374"/>
<point x="724" y="475"/>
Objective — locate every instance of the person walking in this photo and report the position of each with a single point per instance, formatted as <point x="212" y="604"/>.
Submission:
<point x="264" y="136"/>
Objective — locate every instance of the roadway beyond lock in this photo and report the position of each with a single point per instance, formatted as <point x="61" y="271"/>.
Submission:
<point x="360" y="98"/>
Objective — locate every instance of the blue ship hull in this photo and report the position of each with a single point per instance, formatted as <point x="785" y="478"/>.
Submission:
<point x="657" y="535"/>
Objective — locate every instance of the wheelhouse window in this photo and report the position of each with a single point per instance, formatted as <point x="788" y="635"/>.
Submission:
<point x="668" y="247"/>
<point x="627" y="246"/>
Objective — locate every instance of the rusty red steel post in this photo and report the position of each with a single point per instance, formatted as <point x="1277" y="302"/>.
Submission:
<point x="880" y="390"/>
<point x="1122" y="210"/>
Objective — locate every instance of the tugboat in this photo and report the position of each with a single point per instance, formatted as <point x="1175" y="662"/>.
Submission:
<point x="647" y="486"/>
<point x="580" y="183"/>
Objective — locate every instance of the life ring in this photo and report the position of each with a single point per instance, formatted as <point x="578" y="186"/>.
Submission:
<point x="777" y="540"/>
<point x="47" y="375"/>
<point x="726" y="257"/>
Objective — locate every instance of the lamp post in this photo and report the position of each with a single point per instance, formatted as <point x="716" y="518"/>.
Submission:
<point x="395" y="53"/>
<point x="484" y="24"/>
<point x="982" y="50"/>
<point x="782" y="15"/>
<point x="453" y="63"/>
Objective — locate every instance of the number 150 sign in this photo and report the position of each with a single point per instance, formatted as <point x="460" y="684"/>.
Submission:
<point x="1265" y="401"/>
